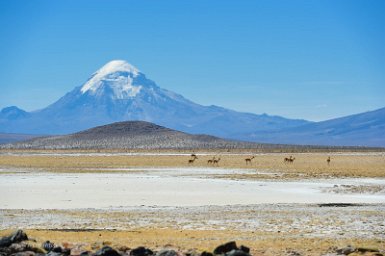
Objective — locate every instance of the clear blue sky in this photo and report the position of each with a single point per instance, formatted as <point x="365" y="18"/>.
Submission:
<point x="299" y="59"/>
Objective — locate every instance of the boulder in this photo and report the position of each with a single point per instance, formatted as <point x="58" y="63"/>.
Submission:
<point x="20" y="247"/>
<point x="63" y="251"/>
<point x="52" y="253"/>
<point x="4" y="251"/>
<point x="16" y="237"/>
<point x="167" y="252"/>
<point x="346" y="250"/>
<point x="19" y="236"/>
<point x="237" y="253"/>
<point x="365" y="250"/>
<point x="57" y="249"/>
<point x="106" y="251"/>
<point x="141" y="251"/>
<point x="224" y="248"/>
<point x="48" y="246"/>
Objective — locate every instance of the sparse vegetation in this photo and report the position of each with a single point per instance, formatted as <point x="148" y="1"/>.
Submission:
<point x="307" y="165"/>
<point x="266" y="229"/>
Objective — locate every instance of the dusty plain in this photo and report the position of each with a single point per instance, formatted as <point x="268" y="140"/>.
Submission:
<point x="267" y="229"/>
<point x="305" y="165"/>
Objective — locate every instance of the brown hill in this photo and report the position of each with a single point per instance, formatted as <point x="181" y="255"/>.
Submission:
<point x="130" y="135"/>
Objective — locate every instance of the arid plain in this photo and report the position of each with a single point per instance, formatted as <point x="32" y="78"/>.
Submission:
<point x="305" y="221"/>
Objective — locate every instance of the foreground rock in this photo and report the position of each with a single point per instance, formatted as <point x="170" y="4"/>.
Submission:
<point x="141" y="251"/>
<point x="16" y="237"/>
<point x="17" y="245"/>
<point x="106" y="251"/>
<point x="14" y="245"/>
<point x="231" y="249"/>
<point x="350" y="250"/>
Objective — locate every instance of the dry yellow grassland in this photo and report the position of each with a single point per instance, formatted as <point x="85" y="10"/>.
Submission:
<point x="306" y="165"/>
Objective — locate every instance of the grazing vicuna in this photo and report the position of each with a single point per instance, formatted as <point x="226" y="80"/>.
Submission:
<point x="328" y="160"/>
<point x="211" y="161"/>
<point x="289" y="159"/>
<point x="191" y="161"/>
<point x="248" y="160"/>
<point x="216" y="161"/>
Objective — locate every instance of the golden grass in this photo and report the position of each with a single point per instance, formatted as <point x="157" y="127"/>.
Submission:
<point x="306" y="165"/>
<point x="201" y="240"/>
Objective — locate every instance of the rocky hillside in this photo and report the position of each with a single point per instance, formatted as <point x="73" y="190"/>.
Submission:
<point x="130" y="135"/>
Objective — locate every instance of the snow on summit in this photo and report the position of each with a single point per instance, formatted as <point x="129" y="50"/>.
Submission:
<point x="116" y="74"/>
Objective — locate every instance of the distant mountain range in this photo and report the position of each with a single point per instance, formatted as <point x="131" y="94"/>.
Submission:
<point x="365" y="129"/>
<point x="120" y="92"/>
<point x="13" y="137"/>
<point x="134" y="135"/>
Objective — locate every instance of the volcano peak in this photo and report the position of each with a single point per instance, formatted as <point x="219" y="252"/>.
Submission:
<point x="116" y="74"/>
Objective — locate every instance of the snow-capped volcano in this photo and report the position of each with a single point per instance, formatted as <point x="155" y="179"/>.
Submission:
<point x="118" y="91"/>
<point x="118" y="76"/>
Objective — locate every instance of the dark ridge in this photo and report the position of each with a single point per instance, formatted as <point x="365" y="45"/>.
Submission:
<point x="339" y="205"/>
<point x="130" y="135"/>
<point x="126" y="128"/>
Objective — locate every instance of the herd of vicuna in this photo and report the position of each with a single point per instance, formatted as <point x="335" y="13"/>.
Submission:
<point x="215" y="161"/>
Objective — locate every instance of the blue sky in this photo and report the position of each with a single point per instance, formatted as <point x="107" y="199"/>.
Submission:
<point x="299" y="59"/>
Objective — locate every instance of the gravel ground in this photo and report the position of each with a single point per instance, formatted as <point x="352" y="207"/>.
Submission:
<point x="291" y="220"/>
